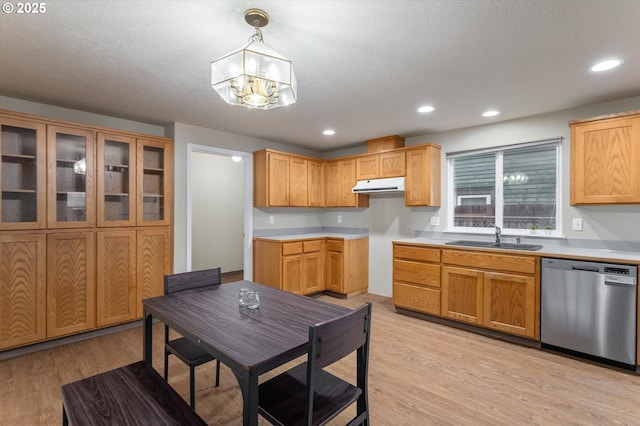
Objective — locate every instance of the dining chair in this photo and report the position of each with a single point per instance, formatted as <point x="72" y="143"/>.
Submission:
<point x="183" y="348"/>
<point x="309" y="395"/>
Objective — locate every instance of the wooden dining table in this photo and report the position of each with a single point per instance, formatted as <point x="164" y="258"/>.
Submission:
<point x="249" y="341"/>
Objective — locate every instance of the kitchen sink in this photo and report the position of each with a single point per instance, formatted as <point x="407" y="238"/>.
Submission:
<point x="489" y="244"/>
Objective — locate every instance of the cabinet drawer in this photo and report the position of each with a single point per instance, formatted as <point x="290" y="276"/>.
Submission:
<point x="291" y="248"/>
<point x="416" y="253"/>
<point x="494" y="262"/>
<point x="416" y="298"/>
<point x="416" y="273"/>
<point x="311" y="246"/>
<point x="335" y="245"/>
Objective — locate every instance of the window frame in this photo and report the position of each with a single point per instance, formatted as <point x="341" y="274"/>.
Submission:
<point x="452" y="199"/>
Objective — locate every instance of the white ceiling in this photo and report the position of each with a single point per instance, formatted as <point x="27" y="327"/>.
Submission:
<point x="363" y="67"/>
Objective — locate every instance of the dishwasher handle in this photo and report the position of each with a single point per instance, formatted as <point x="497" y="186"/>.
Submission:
<point x="585" y="268"/>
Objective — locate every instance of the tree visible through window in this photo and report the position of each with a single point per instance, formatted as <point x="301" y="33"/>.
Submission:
<point x="512" y="187"/>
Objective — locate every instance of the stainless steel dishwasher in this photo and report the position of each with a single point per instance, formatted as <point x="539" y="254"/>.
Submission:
<point x="590" y="308"/>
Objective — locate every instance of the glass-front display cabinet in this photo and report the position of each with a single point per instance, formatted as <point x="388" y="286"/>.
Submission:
<point x="155" y="160"/>
<point x="71" y="171"/>
<point x="22" y="145"/>
<point x="116" y="167"/>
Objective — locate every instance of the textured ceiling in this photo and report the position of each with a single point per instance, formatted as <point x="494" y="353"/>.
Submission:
<point x="363" y="67"/>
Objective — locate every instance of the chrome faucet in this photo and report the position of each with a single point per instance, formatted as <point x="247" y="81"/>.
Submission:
<point x="498" y="232"/>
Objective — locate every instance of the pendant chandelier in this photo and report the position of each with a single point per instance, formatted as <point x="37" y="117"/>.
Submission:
<point x="255" y="76"/>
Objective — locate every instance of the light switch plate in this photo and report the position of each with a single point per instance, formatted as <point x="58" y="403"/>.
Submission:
<point x="339" y="219"/>
<point x="435" y="220"/>
<point x="577" y="224"/>
<point x="272" y="220"/>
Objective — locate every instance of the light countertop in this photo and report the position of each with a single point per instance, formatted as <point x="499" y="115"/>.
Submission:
<point x="311" y="236"/>
<point x="548" y="250"/>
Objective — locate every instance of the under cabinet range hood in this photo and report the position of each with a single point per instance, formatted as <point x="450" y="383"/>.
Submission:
<point x="373" y="186"/>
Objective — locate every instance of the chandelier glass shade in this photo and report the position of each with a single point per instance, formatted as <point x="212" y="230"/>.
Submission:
<point x="255" y="76"/>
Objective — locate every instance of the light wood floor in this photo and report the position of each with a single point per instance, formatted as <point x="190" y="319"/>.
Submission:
<point x="420" y="374"/>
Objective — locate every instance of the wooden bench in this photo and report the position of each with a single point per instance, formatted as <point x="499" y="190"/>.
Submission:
<point x="131" y="395"/>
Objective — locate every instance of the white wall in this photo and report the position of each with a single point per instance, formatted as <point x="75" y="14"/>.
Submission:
<point x="183" y="135"/>
<point x="387" y="218"/>
<point x="217" y="206"/>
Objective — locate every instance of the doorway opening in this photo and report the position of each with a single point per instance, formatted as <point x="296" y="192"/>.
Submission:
<point x="219" y="206"/>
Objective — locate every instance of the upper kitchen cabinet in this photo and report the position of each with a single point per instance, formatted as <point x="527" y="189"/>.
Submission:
<point x="286" y="180"/>
<point x="70" y="180"/>
<point x="23" y="176"/>
<point x="155" y="177"/>
<point x="384" y="165"/>
<point x="116" y="165"/>
<point x="316" y="183"/>
<point x="605" y="154"/>
<point x="422" y="182"/>
<point x="340" y="180"/>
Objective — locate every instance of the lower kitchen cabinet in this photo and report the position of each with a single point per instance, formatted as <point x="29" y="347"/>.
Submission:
<point x="416" y="278"/>
<point x="494" y="290"/>
<point x="22" y="289"/>
<point x="116" y="277"/>
<point x="348" y="266"/>
<point x="462" y="294"/>
<point x="310" y="266"/>
<point x="510" y="303"/>
<point x="71" y="301"/>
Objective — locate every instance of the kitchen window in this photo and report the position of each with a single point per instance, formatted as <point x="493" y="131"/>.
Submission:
<point x="515" y="187"/>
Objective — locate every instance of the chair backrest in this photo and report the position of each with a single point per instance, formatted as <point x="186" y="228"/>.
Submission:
<point x="334" y="339"/>
<point x="189" y="280"/>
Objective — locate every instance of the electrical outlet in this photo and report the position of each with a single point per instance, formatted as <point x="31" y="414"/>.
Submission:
<point x="577" y="224"/>
<point x="435" y="220"/>
<point x="272" y="220"/>
<point x="339" y="219"/>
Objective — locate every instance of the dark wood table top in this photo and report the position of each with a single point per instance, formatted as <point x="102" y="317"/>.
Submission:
<point x="252" y="340"/>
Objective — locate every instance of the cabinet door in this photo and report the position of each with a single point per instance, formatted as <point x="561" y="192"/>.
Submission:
<point x="278" y="170"/>
<point x="22" y="174"/>
<point x="332" y="184"/>
<point x="116" y="277"/>
<point x="604" y="161"/>
<point x="71" y="172"/>
<point x="116" y="176"/>
<point x="153" y="256"/>
<point x="292" y="273"/>
<point x="298" y="181"/>
<point x="422" y="182"/>
<point x="462" y="294"/>
<point x="71" y="284"/>
<point x="335" y="272"/>
<point x="155" y="178"/>
<point x="313" y="267"/>
<point x="22" y="289"/>
<point x="347" y="182"/>
<point x="315" y="188"/>
<point x="367" y="167"/>
<point x="392" y="164"/>
<point x="509" y="303"/>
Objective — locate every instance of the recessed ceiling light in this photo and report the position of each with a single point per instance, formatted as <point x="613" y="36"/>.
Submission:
<point x="425" y="109"/>
<point x="329" y="132"/>
<point x="490" y="113"/>
<point x="605" y="65"/>
<point x="236" y="158"/>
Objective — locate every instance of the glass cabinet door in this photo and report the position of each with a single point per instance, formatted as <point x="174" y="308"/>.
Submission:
<point x="22" y="177"/>
<point x="155" y="161"/>
<point x="71" y="171"/>
<point x="116" y="169"/>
